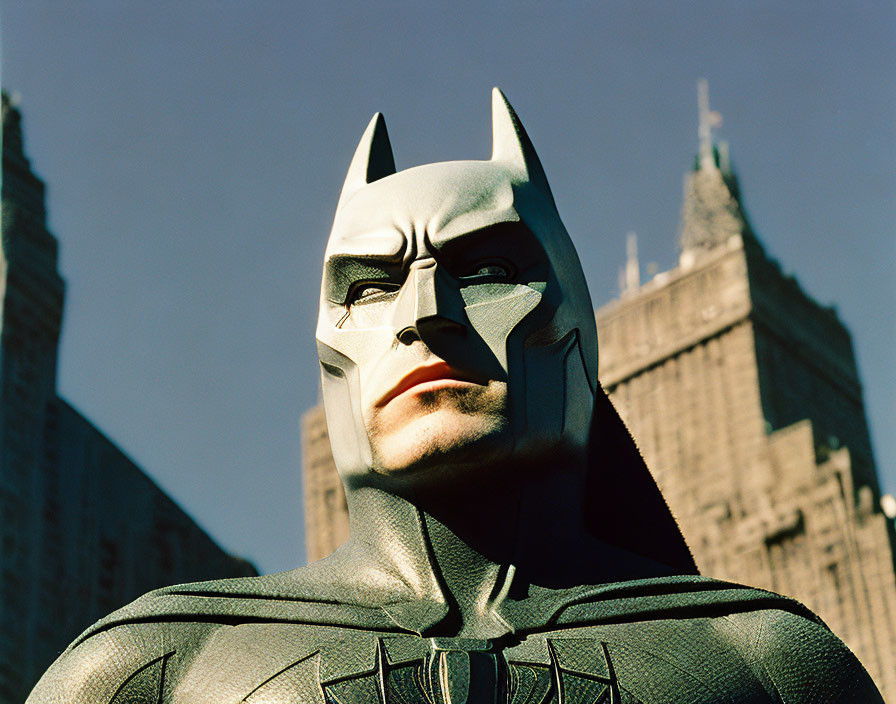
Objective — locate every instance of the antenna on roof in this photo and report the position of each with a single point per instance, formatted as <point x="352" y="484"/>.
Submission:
<point x="630" y="277"/>
<point x="708" y="119"/>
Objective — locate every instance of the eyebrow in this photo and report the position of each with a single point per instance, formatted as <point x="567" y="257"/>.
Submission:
<point x="504" y="232"/>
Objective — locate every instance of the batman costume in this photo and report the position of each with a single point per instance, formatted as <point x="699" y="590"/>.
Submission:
<point x="508" y="544"/>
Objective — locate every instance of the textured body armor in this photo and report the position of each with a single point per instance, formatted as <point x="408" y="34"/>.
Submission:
<point x="681" y="639"/>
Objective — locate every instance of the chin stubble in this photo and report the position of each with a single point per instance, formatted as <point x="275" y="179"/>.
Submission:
<point x="453" y="426"/>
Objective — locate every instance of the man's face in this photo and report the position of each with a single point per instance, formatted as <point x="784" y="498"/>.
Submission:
<point x="432" y="302"/>
<point x="455" y="326"/>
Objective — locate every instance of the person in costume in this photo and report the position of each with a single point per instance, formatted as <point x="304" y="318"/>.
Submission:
<point x="508" y="544"/>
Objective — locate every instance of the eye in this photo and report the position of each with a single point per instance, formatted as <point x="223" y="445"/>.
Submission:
<point x="368" y="292"/>
<point x="494" y="271"/>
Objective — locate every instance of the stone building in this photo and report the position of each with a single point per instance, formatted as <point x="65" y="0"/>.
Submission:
<point x="326" y="513"/>
<point x="82" y="529"/>
<point x="744" y="397"/>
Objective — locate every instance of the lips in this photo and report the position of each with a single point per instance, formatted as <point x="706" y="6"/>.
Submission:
<point x="440" y="371"/>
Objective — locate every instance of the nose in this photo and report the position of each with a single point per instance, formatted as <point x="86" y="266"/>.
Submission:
<point x="428" y="305"/>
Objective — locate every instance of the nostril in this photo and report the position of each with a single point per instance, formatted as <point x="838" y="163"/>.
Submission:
<point x="408" y="336"/>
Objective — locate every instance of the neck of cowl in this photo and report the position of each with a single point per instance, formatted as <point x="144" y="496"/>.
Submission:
<point x="459" y="552"/>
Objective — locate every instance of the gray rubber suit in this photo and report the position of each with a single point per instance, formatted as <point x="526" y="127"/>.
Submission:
<point x="545" y="567"/>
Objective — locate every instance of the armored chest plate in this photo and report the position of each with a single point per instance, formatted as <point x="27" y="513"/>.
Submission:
<point x="462" y="671"/>
<point x="738" y="657"/>
<point x="344" y="667"/>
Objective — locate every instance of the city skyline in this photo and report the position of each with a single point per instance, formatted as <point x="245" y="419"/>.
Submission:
<point x="193" y="162"/>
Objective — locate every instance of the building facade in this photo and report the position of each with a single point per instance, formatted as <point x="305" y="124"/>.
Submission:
<point x="744" y="397"/>
<point x="82" y="529"/>
<point x="326" y="512"/>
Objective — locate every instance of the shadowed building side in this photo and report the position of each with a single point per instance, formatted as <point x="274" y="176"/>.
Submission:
<point x="744" y="397"/>
<point x="84" y="530"/>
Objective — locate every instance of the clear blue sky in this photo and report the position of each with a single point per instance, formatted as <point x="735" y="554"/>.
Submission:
<point x="194" y="152"/>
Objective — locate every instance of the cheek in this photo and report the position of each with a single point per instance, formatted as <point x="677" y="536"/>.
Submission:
<point x="366" y="336"/>
<point x="367" y="316"/>
<point x="495" y="310"/>
<point x="365" y="348"/>
<point x="557" y="398"/>
<point x="373" y="366"/>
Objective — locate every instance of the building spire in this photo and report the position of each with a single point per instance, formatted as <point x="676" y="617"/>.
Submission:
<point x="22" y="190"/>
<point x="12" y="129"/>
<point x="711" y="213"/>
<point x="708" y="119"/>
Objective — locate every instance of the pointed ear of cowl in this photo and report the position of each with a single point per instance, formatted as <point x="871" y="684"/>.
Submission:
<point x="512" y="146"/>
<point x="373" y="159"/>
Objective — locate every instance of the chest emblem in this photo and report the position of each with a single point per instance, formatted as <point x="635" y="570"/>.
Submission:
<point x="463" y="671"/>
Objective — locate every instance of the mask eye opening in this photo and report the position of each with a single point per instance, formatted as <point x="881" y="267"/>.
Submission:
<point x="369" y="291"/>
<point x="490" y="270"/>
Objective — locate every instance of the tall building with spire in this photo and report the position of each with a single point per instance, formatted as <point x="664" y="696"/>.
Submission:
<point x="744" y="397"/>
<point x="82" y="529"/>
